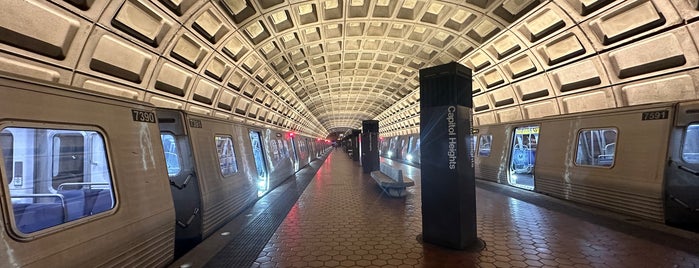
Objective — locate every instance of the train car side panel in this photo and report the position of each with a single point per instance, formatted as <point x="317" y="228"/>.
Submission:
<point x="222" y="195"/>
<point x="135" y="226"/>
<point x="280" y="162"/>
<point x="628" y="179"/>
<point x="488" y="162"/>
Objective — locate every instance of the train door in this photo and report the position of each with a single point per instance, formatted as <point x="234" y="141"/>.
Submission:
<point x="523" y="156"/>
<point x="403" y="148"/>
<point x="260" y="165"/>
<point x="296" y="155"/>
<point x="409" y="154"/>
<point x="682" y="173"/>
<point x="184" y="183"/>
<point x="391" y="146"/>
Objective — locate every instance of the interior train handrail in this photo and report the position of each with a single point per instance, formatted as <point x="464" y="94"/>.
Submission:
<point x="60" y="196"/>
<point x="90" y="184"/>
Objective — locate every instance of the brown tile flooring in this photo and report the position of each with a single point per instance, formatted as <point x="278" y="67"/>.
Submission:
<point x="343" y="220"/>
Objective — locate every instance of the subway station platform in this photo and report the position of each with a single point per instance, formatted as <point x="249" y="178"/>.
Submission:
<point x="333" y="215"/>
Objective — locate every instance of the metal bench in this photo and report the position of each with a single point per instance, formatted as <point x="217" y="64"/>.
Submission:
<point x="391" y="180"/>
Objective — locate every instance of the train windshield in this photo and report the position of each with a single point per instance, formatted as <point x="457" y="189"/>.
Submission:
<point x="523" y="157"/>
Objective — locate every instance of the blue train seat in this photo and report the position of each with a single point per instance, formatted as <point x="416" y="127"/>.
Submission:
<point x="18" y="209"/>
<point x="103" y="202"/>
<point x="75" y="203"/>
<point x="41" y="216"/>
<point x="90" y="198"/>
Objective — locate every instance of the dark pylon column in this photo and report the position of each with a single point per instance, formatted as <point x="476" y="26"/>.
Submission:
<point x="447" y="173"/>
<point x="370" y="145"/>
<point x="355" y="144"/>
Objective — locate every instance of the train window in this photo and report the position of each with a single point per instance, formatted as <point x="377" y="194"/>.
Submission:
<point x="6" y="145"/>
<point x="226" y="155"/>
<point x="286" y="148"/>
<point x="596" y="147"/>
<point x="275" y="148"/>
<point x="484" y="145"/>
<point x="690" y="148"/>
<point x="68" y="158"/>
<point x="283" y="152"/>
<point x="58" y="176"/>
<point x="293" y="147"/>
<point x="172" y="154"/>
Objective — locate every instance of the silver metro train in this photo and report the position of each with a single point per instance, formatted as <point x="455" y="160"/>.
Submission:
<point x="96" y="181"/>
<point x="641" y="161"/>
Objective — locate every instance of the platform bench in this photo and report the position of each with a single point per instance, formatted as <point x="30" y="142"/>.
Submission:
<point x="391" y="180"/>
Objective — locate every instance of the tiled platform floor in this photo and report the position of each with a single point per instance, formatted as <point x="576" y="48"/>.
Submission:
<point x="342" y="219"/>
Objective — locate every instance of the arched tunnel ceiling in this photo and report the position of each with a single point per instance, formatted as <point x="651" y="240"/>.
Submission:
<point x="322" y="66"/>
<point x="349" y="60"/>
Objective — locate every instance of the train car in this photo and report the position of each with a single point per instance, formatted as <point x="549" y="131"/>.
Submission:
<point x="96" y="181"/>
<point x="216" y="169"/>
<point x="404" y="148"/>
<point x="84" y="180"/>
<point x="641" y="161"/>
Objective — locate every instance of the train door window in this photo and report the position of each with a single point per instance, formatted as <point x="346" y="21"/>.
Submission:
<point x="226" y="155"/>
<point x="286" y="147"/>
<point x="172" y="154"/>
<point x="283" y="148"/>
<point x="382" y="145"/>
<point x="293" y="147"/>
<point x="523" y="156"/>
<point x="50" y="185"/>
<point x="409" y="156"/>
<point x="99" y="167"/>
<point x="484" y="145"/>
<point x="596" y="147"/>
<point x="6" y="146"/>
<point x="391" y="147"/>
<point x="275" y="148"/>
<point x="690" y="147"/>
<point x="474" y="141"/>
<point x="68" y="158"/>
<point x="258" y="155"/>
<point x="417" y="149"/>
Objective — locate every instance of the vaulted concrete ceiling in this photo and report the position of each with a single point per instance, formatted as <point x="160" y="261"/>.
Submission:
<point x="349" y="60"/>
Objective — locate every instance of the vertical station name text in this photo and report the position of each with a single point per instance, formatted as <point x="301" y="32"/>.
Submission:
<point x="451" y="130"/>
